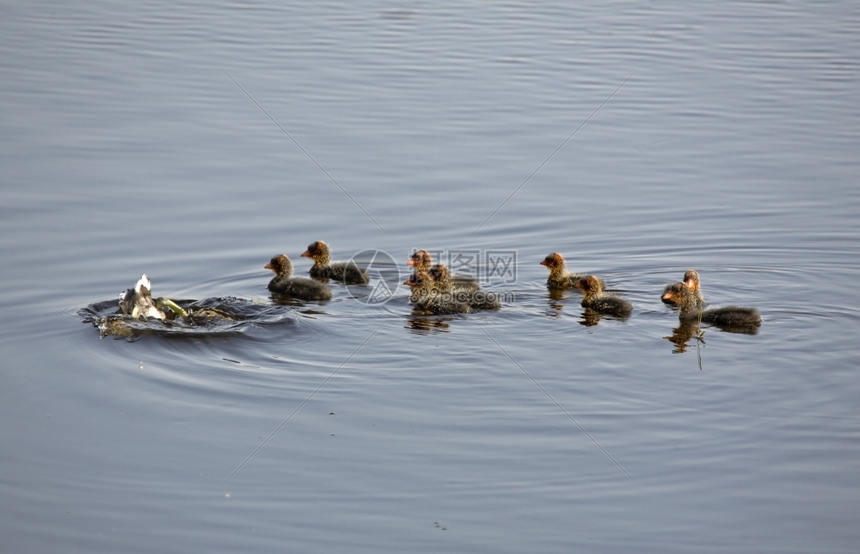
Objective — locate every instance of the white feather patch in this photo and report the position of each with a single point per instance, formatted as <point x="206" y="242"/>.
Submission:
<point x="143" y="281"/>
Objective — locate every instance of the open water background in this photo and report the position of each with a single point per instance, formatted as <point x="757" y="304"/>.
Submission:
<point x="127" y="147"/>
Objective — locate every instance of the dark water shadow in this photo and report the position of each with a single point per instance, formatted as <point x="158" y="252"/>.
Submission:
<point x="556" y="301"/>
<point x="428" y="325"/>
<point x="688" y="330"/>
<point x="590" y="318"/>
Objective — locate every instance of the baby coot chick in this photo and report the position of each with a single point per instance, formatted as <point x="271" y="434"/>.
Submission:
<point x="346" y="272"/>
<point x="423" y="261"/>
<point x="473" y="296"/>
<point x="445" y="280"/>
<point x="559" y="276"/>
<point x="689" y="309"/>
<point x="421" y="284"/>
<point x="601" y="302"/>
<point x="428" y="299"/>
<point x="296" y="287"/>
<point x="138" y="302"/>
<point x="691" y="281"/>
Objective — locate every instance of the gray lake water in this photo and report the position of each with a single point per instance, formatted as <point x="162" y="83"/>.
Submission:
<point x="182" y="141"/>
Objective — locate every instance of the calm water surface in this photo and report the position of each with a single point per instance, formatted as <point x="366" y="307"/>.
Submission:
<point x="128" y="145"/>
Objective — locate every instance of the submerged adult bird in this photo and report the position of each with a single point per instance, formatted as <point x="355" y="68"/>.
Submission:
<point x="346" y="272"/>
<point x="138" y="302"/>
<point x="601" y="302"/>
<point x="689" y="309"/>
<point x="296" y="287"/>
